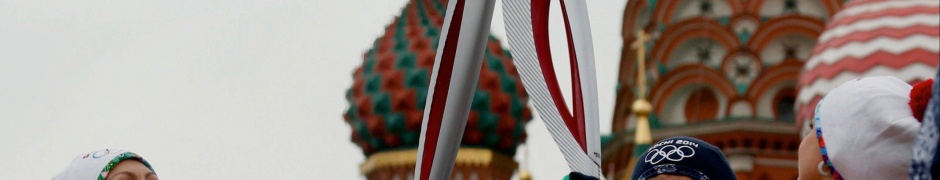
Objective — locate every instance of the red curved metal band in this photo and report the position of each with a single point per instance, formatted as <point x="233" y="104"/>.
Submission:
<point x="574" y="123"/>
<point x="576" y="97"/>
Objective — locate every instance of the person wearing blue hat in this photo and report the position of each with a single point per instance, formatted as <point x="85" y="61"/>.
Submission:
<point x="682" y="157"/>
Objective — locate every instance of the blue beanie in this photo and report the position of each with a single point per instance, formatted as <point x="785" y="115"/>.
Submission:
<point x="683" y="156"/>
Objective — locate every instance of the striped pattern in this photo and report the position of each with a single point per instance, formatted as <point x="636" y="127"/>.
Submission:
<point x="576" y="134"/>
<point x="872" y="38"/>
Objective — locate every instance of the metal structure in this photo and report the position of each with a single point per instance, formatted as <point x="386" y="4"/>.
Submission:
<point x="456" y="69"/>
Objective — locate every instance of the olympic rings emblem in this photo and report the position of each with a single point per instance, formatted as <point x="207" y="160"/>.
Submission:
<point x="100" y="153"/>
<point x="669" y="152"/>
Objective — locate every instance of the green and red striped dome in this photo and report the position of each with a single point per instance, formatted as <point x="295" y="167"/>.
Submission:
<point x="387" y="99"/>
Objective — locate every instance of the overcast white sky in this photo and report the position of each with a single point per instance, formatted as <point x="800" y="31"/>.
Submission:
<point x="215" y="89"/>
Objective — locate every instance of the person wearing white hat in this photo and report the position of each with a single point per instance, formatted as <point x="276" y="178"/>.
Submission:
<point x="863" y="129"/>
<point x="108" y="164"/>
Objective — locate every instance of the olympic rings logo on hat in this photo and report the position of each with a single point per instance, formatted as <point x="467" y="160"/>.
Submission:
<point x="100" y="153"/>
<point x="669" y="152"/>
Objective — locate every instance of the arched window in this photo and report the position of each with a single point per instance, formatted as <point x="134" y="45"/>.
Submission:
<point x="784" y="103"/>
<point x="701" y="105"/>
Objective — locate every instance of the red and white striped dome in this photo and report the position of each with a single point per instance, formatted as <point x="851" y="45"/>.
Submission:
<point x="899" y="38"/>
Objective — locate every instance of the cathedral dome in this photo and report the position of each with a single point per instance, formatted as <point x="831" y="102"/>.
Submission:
<point x="387" y="98"/>
<point x="871" y="38"/>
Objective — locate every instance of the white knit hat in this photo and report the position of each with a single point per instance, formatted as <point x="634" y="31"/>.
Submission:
<point x="866" y="129"/>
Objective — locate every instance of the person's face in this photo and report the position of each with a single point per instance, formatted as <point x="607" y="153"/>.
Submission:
<point x="669" y="177"/>
<point x="809" y="158"/>
<point x="131" y="170"/>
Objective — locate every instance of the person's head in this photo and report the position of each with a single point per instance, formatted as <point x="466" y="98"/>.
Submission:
<point x="862" y="129"/>
<point x="131" y="169"/>
<point x="682" y="158"/>
<point x="108" y="164"/>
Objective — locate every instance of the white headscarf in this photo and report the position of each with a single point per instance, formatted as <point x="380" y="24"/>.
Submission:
<point x="97" y="164"/>
<point x="866" y="129"/>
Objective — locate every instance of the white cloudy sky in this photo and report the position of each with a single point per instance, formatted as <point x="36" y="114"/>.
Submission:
<point x="214" y="89"/>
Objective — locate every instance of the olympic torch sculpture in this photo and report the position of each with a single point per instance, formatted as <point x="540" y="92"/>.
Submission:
<point x="457" y="67"/>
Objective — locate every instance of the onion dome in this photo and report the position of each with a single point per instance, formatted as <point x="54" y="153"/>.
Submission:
<point x="871" y="38"/>
<point x="387" y="98"/>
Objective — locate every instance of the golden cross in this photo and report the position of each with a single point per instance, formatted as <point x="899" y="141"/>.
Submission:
<point x="640" y="46"/>
<point x="641" y="107"/>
